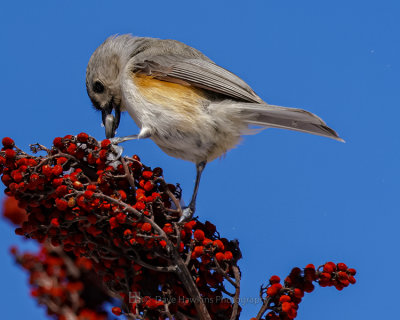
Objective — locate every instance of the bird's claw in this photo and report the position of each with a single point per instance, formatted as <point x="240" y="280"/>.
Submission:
<point x="116" y="140"/>
<point x="116" y="153"/>
<point x="187" y="215"/>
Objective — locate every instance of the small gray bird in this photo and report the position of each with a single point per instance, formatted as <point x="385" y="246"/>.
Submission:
<point x="189" y="106"/>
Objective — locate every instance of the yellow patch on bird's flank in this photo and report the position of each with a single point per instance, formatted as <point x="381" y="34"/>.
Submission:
<point x="173" y="96"/>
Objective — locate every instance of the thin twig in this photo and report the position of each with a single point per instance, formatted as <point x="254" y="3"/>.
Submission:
<point x="235" y="308"/>
<point x="128" y="174"/>
<point x="264" y="308"/>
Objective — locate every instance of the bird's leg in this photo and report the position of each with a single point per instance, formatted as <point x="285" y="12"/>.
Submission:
<point x="188" y="212"/>
<point x="118" y="140"/>
<point x="143" y="134"/>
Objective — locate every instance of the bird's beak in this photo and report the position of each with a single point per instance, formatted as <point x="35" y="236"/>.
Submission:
<point x="110" y="121"/>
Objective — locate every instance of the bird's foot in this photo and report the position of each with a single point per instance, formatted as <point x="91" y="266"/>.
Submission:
<point x="187" y="215"/>
<point x="116" y="153"/>
<point x="118" y="140"/>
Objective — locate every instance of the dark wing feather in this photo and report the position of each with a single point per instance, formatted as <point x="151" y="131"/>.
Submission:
<point x="198" y="73"/>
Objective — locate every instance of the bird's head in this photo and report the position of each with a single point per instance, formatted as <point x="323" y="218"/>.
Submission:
<point x="103" y="79"/>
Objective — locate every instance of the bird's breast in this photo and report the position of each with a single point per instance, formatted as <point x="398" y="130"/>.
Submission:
<point x="186" y="101"/>
<point x="185" y="124"/>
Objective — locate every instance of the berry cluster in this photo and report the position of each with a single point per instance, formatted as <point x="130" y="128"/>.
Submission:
<point x="109" y="225"/>
<point x="64" y="284"/>
<point x="13" y="212"/>
<point x="121" y="215"/>
<point x="283" y="300"/>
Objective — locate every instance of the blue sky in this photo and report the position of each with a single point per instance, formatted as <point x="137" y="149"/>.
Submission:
<point x="290" y="198"/>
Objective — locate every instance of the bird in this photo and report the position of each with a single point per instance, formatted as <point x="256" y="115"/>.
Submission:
<point x="192" y="108"/>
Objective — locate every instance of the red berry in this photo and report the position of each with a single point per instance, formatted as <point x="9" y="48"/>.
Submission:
<point x="61" y="204"/>
<point x="339" y="286"/>
<point x="71" y="202"/>
<point x="54" y="222"/>
<point x="147" y="175"/>
<point x="91" y="187"/>
<point x="324" y="276"/>
<point x="114" y="223"/>
<point x="72" y="149"/>
<point x="47" y="170"/>
<point x="139" y="205"/>
<point x="103" y="154"/>
<point x="32" y="162"/>
<point x="57" y="170"/>
<point x="148" y="186"/>
<point x="8" y="142"/>
<point x="158" y="172"/>
<point x="308" y="287"/>
<point x="343" y="275"/>
<point x="10" y="154"/>
<point x="88" y="194"/>
<point x="285" y="298"/>
<point x="116" y="310"/>
<point x="341" y="266"/>
<point x="352" y="271"/>
<point x="105" y="143"/>
<point x="211" y="228"/>
<point x="82" y="137"/>
<point x="17" y="175"/>
<point x="122" y="193"/>
<point x="77" y="185"/>
<point x="274" y="289"/>
<point x="286" y="306"/>
<point x="91" y="158"/>
<point x="274" y="279"/>
<point x="298" y="293"/>
<point x="168" y="228"/>
<point x="220" y="256"/>
<point x="292" y="313"/>
<point x="61" y="190"/>
<point x="198" y="251"/>
<point x="329" y="267"/>
<point x="199" y="235"/>
<point x="19" y="231"/>
<point x="295" y="272"/>
<point x="58" y="142"/>
<point x="6" y="179"/>
<point x="61" y="160"/>
<point x="219" y="245"/>
<point x="121" y="217"/>
<point x="228" y="255"/>
<point x="146" y="227"/>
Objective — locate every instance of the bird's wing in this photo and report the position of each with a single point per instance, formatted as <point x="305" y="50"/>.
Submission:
<point x="198" y="73"/>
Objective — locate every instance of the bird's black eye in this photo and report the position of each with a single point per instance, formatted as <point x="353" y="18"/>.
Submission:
<point x="98" y="87"/>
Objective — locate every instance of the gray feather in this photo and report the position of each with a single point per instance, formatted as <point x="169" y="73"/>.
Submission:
<point x="174" y="61"/>
<point x="286" y="118"/>
<point x="197" y="72"/>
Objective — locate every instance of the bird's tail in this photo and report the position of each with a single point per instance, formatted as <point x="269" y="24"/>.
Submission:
<point x="266" y="115"/>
